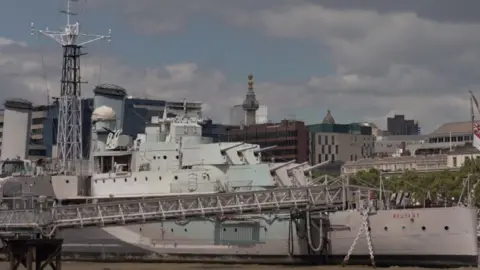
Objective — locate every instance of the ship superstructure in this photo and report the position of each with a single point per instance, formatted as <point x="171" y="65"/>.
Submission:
<point x="172" y="157"/>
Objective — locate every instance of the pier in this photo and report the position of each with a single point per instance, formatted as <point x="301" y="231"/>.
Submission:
<point x="33" y="254"/>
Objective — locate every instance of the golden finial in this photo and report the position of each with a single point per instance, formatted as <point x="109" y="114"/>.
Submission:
<point x="250" y="82"/>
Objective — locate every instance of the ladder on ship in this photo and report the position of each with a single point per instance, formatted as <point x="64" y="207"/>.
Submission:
<point x="118" y="213"/>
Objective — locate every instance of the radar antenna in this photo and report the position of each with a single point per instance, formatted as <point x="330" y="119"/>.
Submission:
<point x="69" y="135"/>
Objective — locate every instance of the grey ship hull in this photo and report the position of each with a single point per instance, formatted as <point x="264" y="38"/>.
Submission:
<point x="428" y="237"/>
<point x="425" y="241"/>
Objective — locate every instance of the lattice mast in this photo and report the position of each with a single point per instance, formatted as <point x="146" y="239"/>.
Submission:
<point x="69" y="130"/>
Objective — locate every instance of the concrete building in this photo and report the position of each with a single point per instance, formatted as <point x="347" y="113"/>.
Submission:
<point x="460" y="155"/>
<point x="398" y="125"/>
<point x="290" y="137"/>
<point x="398" y="164"/>
<point x="36" y="146"/>
<point x="443" y="140"/>
<point x="329" y="141"/>
<point x="238" y="116"/>
<point x="17" y="121"/>
<point x="451" y="161"/>
<point x="386" y="146"/>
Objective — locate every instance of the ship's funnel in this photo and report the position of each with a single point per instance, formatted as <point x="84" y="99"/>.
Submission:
<point x="111" y="96"/>
<point x="16" y="129"/>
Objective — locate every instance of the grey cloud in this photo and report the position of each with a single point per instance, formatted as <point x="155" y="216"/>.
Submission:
<point x="390" y="56"/>
<point x="439" y="10"/>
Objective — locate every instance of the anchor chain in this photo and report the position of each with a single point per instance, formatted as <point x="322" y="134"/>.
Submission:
<point x="363" y="228"/>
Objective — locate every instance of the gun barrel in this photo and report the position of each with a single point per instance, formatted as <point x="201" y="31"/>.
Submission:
<point x="282" y="165"/>
<point x="264" y="149"/>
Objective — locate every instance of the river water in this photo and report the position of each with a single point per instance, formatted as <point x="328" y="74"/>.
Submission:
<point x="171" y="266"/>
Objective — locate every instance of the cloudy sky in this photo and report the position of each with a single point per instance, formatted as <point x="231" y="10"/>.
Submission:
<point x="364" y="60"/>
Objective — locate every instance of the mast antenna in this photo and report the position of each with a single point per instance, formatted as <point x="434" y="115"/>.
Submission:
<point x="69" y="131"/>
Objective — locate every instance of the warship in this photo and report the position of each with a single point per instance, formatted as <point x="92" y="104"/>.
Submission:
<point x="172" y="158"/>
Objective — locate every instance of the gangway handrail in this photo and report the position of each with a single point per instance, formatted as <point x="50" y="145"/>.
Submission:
<point x="118" y="213"/>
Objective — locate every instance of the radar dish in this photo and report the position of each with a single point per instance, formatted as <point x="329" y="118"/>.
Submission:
<point x="103" y="113"/>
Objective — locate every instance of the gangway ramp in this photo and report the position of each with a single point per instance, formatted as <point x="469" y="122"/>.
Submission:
<point x="118" y="213"/>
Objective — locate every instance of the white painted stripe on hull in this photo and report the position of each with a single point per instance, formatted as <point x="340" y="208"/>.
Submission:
<point x="90" y="245"/>
<point x="135" y="239"/>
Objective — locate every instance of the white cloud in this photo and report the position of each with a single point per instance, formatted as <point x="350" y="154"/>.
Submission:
<point x="385" y="62"/>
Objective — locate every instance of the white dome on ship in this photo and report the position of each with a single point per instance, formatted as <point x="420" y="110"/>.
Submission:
<point x="103" y="113"/>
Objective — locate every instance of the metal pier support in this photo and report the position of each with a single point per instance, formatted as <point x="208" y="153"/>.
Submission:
<point x="39" y="252"/>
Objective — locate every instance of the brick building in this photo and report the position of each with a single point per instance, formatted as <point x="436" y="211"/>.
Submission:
<point x="290" y="137"/>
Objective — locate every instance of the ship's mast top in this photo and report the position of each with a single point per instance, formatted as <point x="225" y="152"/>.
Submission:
<point x="71" y="33"/>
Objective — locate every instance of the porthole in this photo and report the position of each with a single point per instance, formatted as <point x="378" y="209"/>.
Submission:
<point x="67" y="181"/>
<point x="175" y="177"/>
<point x="446" y="228"/>
<point x="423" y="228"/>
<point x="164" y="157"/>
<point x="385" y="228"/>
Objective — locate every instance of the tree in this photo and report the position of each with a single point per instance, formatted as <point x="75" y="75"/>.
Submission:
<point x="444" y="185"/>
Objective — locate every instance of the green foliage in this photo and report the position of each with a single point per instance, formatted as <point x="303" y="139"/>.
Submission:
<point x="446" y="184"/>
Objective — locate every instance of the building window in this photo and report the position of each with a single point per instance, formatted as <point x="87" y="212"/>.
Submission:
<point x="333" y="139"/>
<point x="326" y="157"/>
<point x="319" y="139"/>
<point x="336" y="149"/>
<point x="323" y="149"/>
<point x="319" y="158"/>
<point x="333" y="158"/>
<point x="351" y="157"/>
<point x="326" y="139"/>
<point x="454" y="161"/>
<point x="329" y="149"/>
<point x="38" y="121"/>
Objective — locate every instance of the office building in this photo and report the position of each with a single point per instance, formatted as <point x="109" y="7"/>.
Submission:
<point x="36" y="146"/>
<point x="333" y="142"/>
<point x="398" y="125"/>
<point x="452" y="160"/>
<point x="289" y="137"/>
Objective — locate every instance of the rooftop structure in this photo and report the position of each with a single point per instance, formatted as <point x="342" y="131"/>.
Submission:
<point x="250" y="104"/>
